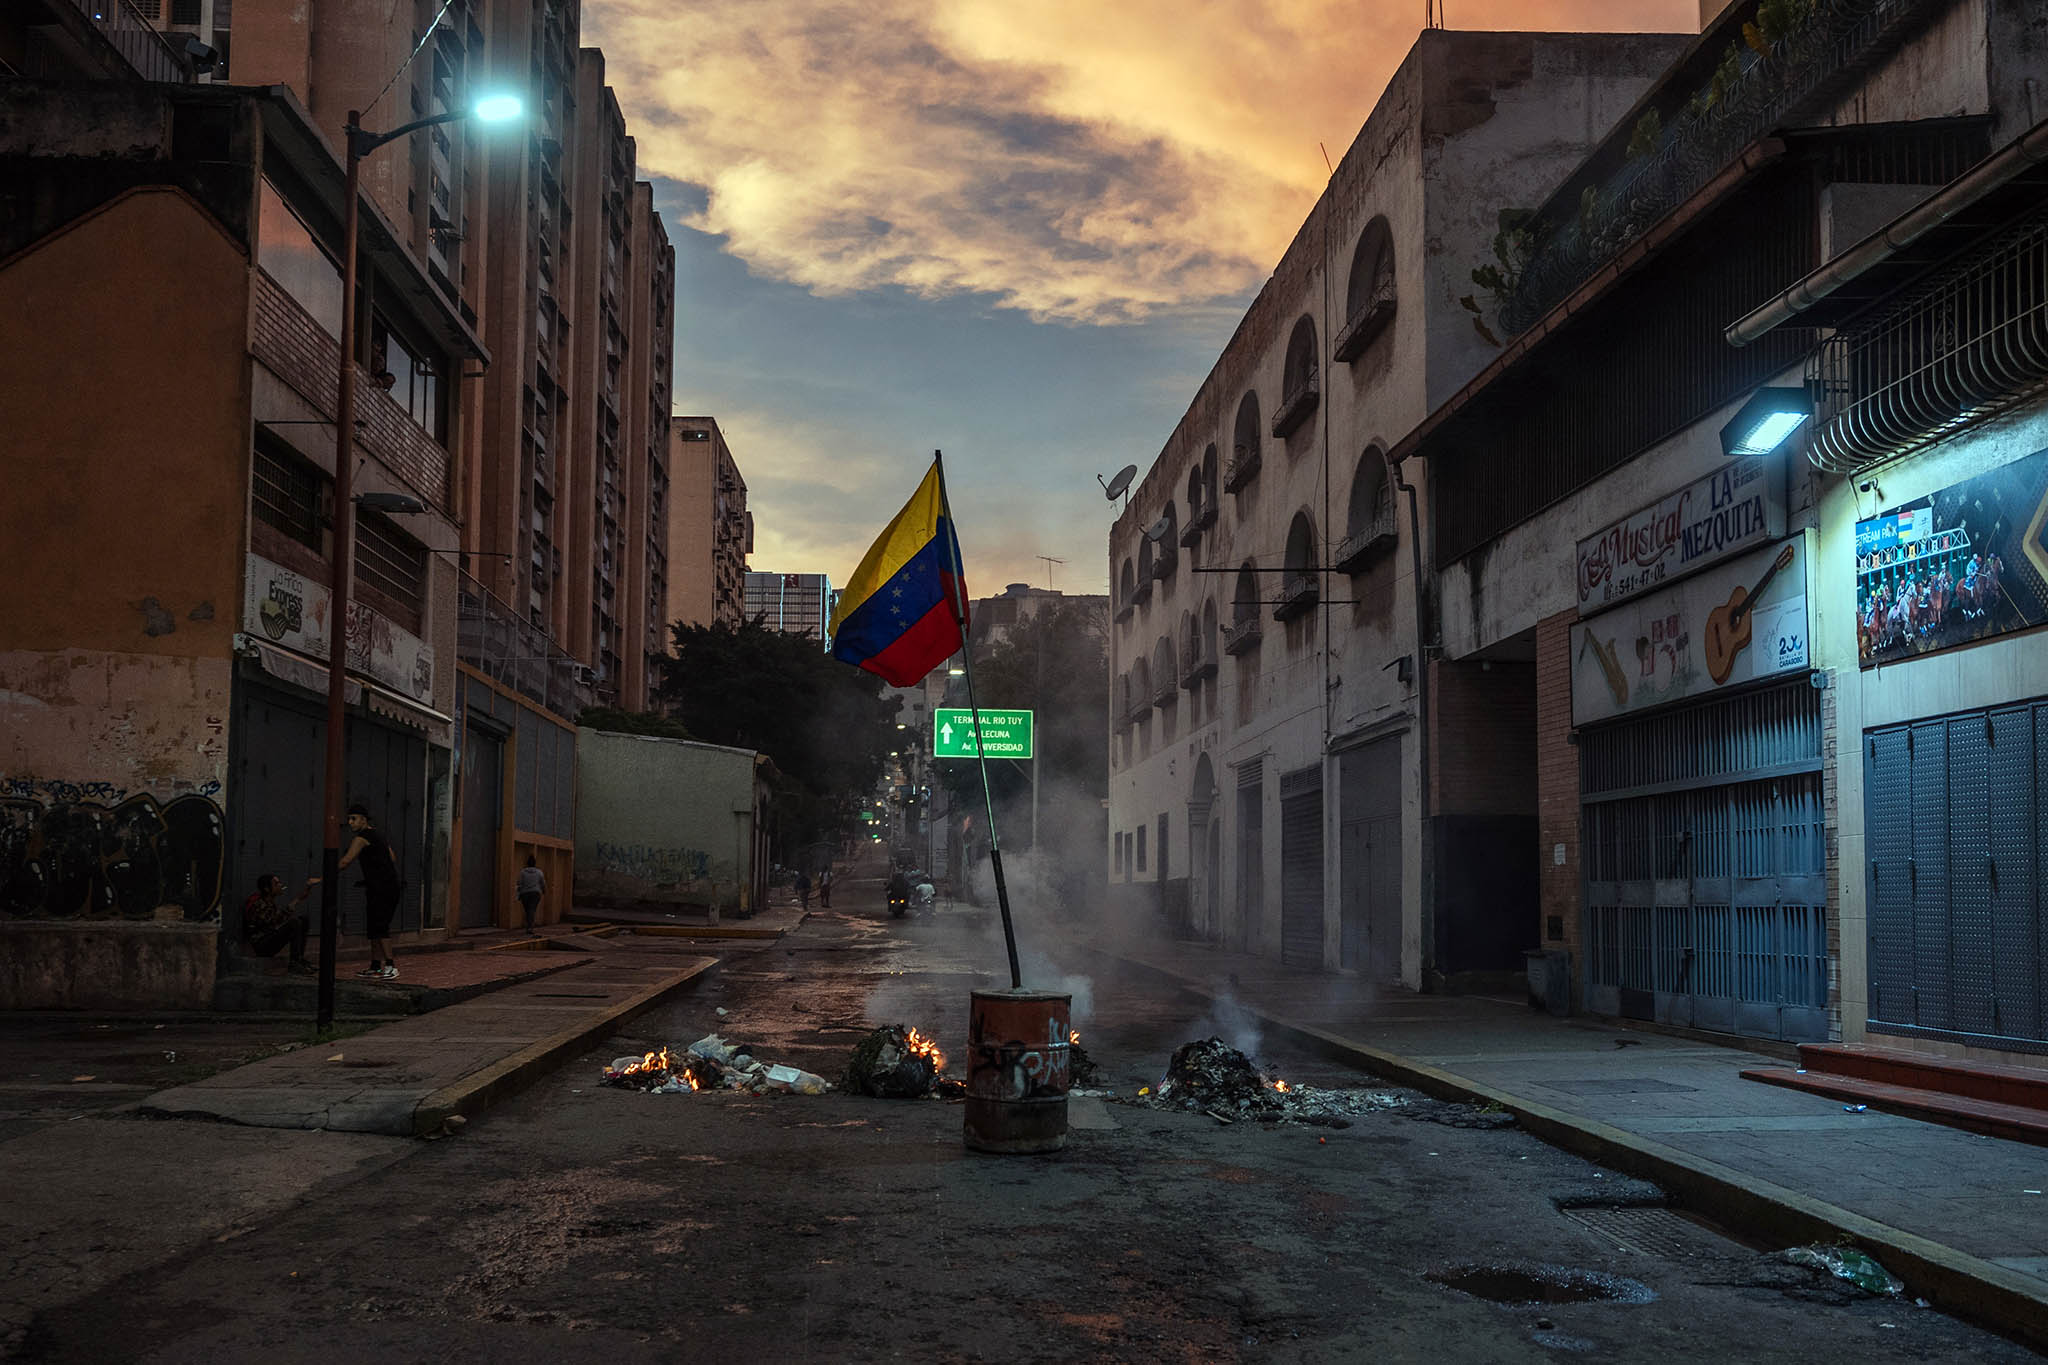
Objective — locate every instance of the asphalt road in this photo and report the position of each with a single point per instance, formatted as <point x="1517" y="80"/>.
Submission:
<point x="581" y="1222"/>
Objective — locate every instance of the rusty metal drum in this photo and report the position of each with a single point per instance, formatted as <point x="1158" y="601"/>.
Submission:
<point x="1017" y="1071"/>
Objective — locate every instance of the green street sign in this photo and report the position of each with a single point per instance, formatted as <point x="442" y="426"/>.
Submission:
<point x="1004" y="734"/>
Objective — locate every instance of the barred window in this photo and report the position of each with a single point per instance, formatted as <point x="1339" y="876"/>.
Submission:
<point x="286" y="493"/>
<point x="185" y="11"/>
<point x="390" y="561"/>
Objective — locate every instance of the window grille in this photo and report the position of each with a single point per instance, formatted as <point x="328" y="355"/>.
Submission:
<point x="390" y="560"/>
<point x="286" y="492"/>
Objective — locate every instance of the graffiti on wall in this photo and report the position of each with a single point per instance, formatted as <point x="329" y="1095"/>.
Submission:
<point x="90" y="850"/>
<point x="655" y="865"/>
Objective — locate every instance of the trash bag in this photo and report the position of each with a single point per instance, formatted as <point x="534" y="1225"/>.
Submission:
<point x="884" y="1066"/>
<point x="1846" y="1263"/>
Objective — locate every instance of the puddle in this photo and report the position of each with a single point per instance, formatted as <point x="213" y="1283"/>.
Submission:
<point x="1541" y="1285"/>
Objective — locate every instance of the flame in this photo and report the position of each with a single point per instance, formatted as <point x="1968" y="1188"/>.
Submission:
<point x="1283" y="1087"/>
<point x="653" y="1061"/>
<point x="924" y="1047"/>
<point x="1073" y="1036"/>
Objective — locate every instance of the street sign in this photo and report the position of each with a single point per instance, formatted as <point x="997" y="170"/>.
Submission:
<point x="1004" y="734"/>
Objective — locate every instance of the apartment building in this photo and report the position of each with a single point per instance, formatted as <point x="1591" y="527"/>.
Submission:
<point x="710" y="530"/>
<point x="1270" y="730"/>
<point x="799" y="603"/>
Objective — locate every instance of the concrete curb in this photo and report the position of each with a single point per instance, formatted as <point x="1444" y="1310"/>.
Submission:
<point x="1967" y="1286"/>
<point x="508" y="1076"/>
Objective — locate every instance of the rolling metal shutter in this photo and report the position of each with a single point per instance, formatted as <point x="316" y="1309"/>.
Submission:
<point x="1301" y="868"/>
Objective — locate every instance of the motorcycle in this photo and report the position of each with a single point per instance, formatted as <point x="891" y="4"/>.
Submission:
<point x="899" y="905"/>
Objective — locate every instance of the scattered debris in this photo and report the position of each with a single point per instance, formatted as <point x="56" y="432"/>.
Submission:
<point x="1846" y="1263"/>
<point x="710" y="1063"/>
<point x="893" y="1062"/>
<point x="1211" y="1077"/>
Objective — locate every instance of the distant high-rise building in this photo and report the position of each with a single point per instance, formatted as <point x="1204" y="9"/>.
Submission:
<point x="710" y="531"/>
<point x="798" y="603"/>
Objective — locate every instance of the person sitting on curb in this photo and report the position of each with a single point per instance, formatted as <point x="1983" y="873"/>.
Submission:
<point x="269" y="924"/>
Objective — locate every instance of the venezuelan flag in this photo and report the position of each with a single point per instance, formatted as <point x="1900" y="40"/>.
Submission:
<point x="902" y="613"/>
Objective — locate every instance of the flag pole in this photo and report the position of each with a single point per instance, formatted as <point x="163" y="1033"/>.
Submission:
<point x="958" y="598"/>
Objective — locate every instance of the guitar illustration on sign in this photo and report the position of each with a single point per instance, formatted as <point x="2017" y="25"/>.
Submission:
<point x="1728" y="625"/>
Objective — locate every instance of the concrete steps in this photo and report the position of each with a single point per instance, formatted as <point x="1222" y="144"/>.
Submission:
<point x="1999" y="1101"/>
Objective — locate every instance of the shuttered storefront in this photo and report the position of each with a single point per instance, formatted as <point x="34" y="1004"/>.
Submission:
<point x="1703" y="847"/>
<point x="1369" y="851"/>
<point x="1301" y="868"/>
<point x="1955" y="821"/>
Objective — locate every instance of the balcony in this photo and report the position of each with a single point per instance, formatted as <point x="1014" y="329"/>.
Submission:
<point x="1298" y="597"/>
<point x="1243" y="469"/>
<point x="1241" y="637"/>
<point x="136" y="39"/>
<point x="496" y="641"/>
<point x="1143" y="592"/>
<point x="1198" y="522"/>
<point x="1124" y="610"/>
<point x="1363" y="546"/>
<point x="1162" y="567"/>
<point x="1805" y="71"/>
<point x="1359" y="332"/>
<point x="1166" y="691"/>
<point x="1296" y="407"/>
<point x="1199" y="666"/>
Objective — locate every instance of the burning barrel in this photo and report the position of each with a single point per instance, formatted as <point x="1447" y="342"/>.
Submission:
<point x="1017" y="1071"/>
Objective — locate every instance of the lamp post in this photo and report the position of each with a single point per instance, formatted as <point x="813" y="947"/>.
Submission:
<point x="490" y="109"/>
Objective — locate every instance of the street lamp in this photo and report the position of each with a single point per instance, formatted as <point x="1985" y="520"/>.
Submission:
<point x="493" y="108"/>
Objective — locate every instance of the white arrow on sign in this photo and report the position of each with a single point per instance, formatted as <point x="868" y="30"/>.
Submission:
<point x="946" y="733"/>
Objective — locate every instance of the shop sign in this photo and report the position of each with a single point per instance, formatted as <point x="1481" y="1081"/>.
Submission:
<point x="290" y="609"/>
<point x="1966" y="563"/>
<point x="1732" y="624"/>
<point x="1737" y="507"/>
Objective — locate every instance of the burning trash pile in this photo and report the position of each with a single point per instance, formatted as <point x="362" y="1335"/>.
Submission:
<point x="896" y="1062"/>
<point x="710" y="1063"/>
<point x="1211" y="1077"/>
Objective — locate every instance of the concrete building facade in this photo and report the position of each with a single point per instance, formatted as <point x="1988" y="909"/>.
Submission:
<point x="1268" y="721"/>
<point x="1783" y="712"/>
<point x="703" y="843"/>
<point x="795" y="603"/>
<point x="710" y="530"/>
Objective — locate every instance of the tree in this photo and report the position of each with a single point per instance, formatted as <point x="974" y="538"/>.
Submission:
<point x="632" y="722"/>
<point x="826" y="726"/>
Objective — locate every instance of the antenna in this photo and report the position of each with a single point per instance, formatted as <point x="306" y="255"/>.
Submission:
<point x="1049" y="562"/>
<point x="1326" y="157"/>
<point x="1433" y="13"/>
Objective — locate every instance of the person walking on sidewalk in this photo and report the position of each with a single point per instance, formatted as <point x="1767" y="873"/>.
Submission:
<point x="269" y="924"/>
<point x="825" y="889"/>
<point x="382" y="887"/>
<point x="532" y="885"/>
<point x="803" y="889"/>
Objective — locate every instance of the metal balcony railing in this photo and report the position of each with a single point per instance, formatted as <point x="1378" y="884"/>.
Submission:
<point x="135" y="38"/>
<point x="1199" y="520"/>
<point x="1372" y="319"/>
<point x="1243" y="469"/>
<point x="1241" y="636"/>
<point x="507" y="648"/>
<point x="1162" y="567"/>
<point x="1805" y="69"/>
<point x="1297" y="405"/>
<point x="1364" y="545"/>
<point x="1298" y="596"/>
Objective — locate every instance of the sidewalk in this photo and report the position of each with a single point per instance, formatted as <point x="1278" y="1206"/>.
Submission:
<point x="410" y="1077"/>
<point x="1963" y="1219"/>
<point x="770" y="923"/>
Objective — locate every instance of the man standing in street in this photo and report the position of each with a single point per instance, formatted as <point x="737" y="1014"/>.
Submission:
<point x="382" y="887"/>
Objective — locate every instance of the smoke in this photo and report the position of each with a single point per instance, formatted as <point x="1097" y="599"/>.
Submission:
<point x="1231" y="1022"/>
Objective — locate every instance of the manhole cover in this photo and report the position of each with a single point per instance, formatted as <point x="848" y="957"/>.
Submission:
<point x="1653" y="1232"/>
<point x="1519" y="1287"/>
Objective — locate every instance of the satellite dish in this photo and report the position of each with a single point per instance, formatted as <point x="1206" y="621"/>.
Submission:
<point x="1114" y="489"/>
<point x="1159" y="530"/>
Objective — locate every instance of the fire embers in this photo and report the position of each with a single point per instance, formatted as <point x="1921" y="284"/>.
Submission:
<point x="710" y="1063"/>
<point x="896" y="1062"/>
<point x="1081" y="1068"/>
<point x="1213" y="1078"/>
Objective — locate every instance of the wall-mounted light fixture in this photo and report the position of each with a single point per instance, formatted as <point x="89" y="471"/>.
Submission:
<point x="1766" y="421"/>
<point x="1404" y="668"/>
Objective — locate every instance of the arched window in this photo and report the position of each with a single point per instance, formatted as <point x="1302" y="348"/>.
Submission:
<point x="1127" y="590"/>
<point x="1121" y="715"/>
<point x="1244" y="444"/>
<point x="1196" y="499"/>
<point x="1144" y="589"/>
<point x="1165" y="677"/>
<point x="1190" y="646"/>
<point x="1369" y="293"/>
<point x="1209" y="631"/>
<point x="1209" y="475"/>
<point x="1169" y="537"/>
<point x="1299" y="384"/>
<point x="1141" y="688"/>
<point x="1298" y="584"/>
<point x="1369" y="525"/>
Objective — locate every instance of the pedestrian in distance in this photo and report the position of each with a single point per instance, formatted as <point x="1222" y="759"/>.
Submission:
<point x="382" y="887"/>
<point x="532" y="885"/>
<point x="825" y="889"/>
<point x="269" y="924"/>
<point x="803" y="889"/>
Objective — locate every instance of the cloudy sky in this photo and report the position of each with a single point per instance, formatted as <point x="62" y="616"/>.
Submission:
<point x="1016" y="231"/>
